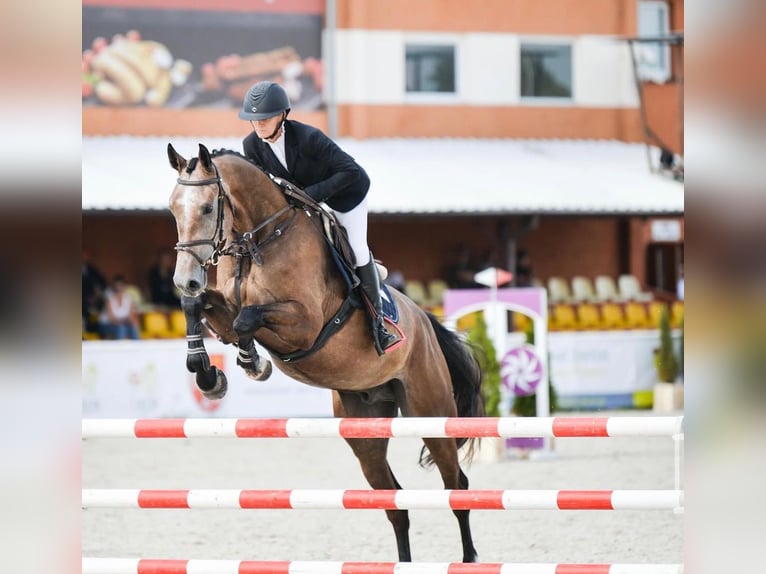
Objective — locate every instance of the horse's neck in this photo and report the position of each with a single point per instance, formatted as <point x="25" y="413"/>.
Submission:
<point x="254" y="196"/>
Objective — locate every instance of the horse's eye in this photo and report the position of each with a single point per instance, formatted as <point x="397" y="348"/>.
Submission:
<point x="207" y="209"/>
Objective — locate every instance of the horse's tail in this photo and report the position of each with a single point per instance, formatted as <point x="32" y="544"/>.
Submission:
<point x="465" y="372"/>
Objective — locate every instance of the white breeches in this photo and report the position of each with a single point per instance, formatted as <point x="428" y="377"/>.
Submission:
<point x="355" y="222"/>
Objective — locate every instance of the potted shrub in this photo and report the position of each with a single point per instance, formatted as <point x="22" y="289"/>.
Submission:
<point x="668" y="391"/>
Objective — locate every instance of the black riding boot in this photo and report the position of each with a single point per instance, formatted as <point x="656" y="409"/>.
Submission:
<point x="368" y="274"/>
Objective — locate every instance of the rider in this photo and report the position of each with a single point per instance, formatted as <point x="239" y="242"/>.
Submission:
<point x="305" y="156"/>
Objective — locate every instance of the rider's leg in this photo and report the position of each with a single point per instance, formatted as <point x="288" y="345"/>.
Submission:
<point x="355" y="222"/>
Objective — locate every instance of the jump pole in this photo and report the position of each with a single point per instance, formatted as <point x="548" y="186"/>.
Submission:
<point x="423" y="427"/>
<point x="151" y="566"/>
<point x="385" y="499"/>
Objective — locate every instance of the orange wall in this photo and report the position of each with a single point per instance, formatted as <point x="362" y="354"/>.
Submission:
<point x="99" y="121"/>
<point x="523" y="16"/>
<point x="372" y="121"/>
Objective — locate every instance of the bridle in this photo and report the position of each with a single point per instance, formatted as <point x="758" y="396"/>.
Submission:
<point x="218" y="245"/>
<point x="243" y="244"/>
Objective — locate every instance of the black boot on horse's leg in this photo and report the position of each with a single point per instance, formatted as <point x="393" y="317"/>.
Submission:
<point x="368" y="274"/>
<point x="210" y="380"/>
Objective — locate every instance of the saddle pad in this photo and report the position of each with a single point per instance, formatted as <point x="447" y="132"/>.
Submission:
<point x="390" y="310"/>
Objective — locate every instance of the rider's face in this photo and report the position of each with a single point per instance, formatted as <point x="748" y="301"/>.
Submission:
<point x="264" y="128"/>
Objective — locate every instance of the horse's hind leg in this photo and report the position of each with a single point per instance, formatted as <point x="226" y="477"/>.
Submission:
<point x="372" y="458"/>
<point x="444" y="454"/>
<point x="210" y="380"/>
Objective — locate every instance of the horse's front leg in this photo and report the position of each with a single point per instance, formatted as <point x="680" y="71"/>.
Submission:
<point x="210" y="380"/>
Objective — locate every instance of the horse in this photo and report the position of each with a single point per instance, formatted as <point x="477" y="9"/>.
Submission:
<point x="278" y="282"/>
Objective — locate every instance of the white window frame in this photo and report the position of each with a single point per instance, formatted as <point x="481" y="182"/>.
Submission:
<point x="547" y="101"/>
<point x="436" y="40"/>
<point x="646" y="72"/>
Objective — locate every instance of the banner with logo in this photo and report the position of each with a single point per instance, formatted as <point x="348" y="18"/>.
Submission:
<point x="148" y="379"/>
<point x="206" y="53"/>
<point x="604" y="369"/>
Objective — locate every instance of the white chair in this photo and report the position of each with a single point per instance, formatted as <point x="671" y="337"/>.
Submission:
<point x="606" y="290"/>
<point x="582" y="289"/>
<point x="558" y="291"/>
<point x="630" y="289"/>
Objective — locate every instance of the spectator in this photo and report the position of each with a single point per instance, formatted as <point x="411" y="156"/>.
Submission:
<point x="162" y="290"/>
<point x="119" y="319"/>
<point x="395" y="279"/>
<point x="93" y="286"/>
<point x="460" y="273"/>
<point x="523" y="275"/>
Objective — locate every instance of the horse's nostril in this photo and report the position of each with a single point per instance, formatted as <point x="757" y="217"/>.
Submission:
<point x="193" y="285"/>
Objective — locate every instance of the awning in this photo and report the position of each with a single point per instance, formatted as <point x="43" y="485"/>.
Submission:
<point x="420" y="176"/>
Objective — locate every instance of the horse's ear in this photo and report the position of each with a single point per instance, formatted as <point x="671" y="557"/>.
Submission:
<point x="177" y="162"/>
<point x="204" y="159"/>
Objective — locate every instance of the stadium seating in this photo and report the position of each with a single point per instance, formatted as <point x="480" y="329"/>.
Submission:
<point x="558" y="291"/>
<point x="630" y="289"/>
<point x="588" y="316"/>
<point x="155" y="326"/>
<point x="582" y="290"/>
<point x="416" y="291"/>
<point x="636" y="316"/>
<point x="606" y="289"/>
<point x="612" y="316"/>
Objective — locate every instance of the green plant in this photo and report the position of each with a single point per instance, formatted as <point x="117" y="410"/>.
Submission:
<point x="681" y="350"/>
<point x="490" y="368"/>
<point x="526" y="406"/>
<point x="665" y="357"/>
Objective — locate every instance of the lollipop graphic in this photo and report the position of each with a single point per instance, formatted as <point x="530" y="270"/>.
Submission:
<point x="521" y="370"/>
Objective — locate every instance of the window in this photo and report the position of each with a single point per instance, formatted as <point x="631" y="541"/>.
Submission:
<point x="546" y="71"/>
<point x="430" y="68"/>
<point x="653" y="58"/>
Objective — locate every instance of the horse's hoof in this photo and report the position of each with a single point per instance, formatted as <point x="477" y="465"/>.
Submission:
<point x="219" y="388"/>
<point x="265" y="372"/>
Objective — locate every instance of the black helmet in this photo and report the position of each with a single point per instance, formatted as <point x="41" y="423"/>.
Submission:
<point x="264" y="100"/>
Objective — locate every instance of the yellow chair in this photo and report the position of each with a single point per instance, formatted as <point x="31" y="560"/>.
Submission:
<point x="564" y="317"/>
<point x="676" y="314"/>
<point x="655" y="312"/>
<point x="635" y="316"/>
<point x="155" y="326"/>
<point x="521" y="322"/>
<point x="467" y="322"/>
<point x="612" y="316"/>
<point x="588" y="316"/>
<point x="177" y="324"/>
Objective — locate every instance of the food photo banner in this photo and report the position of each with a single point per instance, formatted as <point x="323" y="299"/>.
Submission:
<point x="199" y="54"/>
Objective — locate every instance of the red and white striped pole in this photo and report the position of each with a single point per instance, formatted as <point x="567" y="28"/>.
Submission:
<point x="387" y="499"/>
<point x="145" y="566"/>
<point x="428" y="427"/>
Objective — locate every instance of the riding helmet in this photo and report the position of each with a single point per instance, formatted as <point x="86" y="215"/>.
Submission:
<point x="264" y="100"/>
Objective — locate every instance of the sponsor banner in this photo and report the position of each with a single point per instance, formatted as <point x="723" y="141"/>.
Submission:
<point x="603" y="369"/>
<point x="162" y="54"/>
<point x="148" y="379"/>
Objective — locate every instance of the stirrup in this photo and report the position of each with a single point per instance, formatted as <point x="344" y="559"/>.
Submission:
<point x="384" y="341"/>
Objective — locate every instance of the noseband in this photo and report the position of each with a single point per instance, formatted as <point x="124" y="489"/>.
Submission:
<point x="221" y="242"/>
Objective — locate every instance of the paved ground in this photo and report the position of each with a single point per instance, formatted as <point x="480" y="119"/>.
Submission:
<point x="500" y="536"/>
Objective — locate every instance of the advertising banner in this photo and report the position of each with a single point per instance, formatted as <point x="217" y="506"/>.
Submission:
<point x="206" y="53"/>
<point x="148" y="379"/>
<point x="603" y="369"/>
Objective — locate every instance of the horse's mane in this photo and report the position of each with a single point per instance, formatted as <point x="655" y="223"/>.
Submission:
<point x="224" y="152"/>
